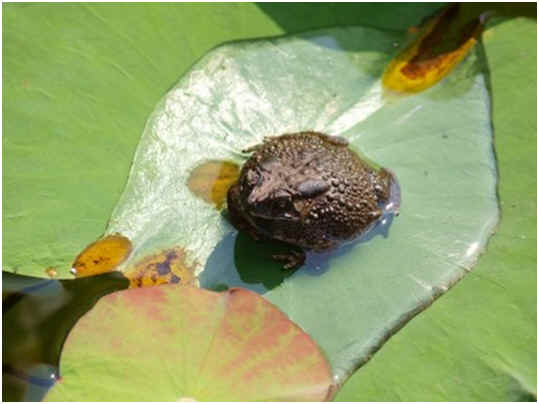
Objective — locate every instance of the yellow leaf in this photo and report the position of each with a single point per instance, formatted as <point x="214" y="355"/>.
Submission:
<point x="445" y="41"/>
<point x="210" y="181"/>
<point x="102" y="256"/>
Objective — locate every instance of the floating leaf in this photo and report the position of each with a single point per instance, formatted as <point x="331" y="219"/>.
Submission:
<point x="434" y="53"/>
<point x="172" y="343"/>
<point x="438" y="142"/>
<point x="102" y="256"/>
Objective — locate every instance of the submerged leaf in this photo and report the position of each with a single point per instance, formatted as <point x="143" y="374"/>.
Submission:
<point x="438" y="143"/>
<point x="172" y="343"/>
<point x="211" y="181"/>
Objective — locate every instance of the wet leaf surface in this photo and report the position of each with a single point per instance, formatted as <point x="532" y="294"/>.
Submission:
<point x="195" y="344"/>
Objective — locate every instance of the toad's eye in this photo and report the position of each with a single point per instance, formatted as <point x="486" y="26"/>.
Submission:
<point x="312" y="187"/>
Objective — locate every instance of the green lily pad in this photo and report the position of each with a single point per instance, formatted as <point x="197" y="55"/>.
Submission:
<point x="479" y="342"/>
<point x="172" y="343"/>
<point x="79" y="83"/>
<point x="438" y="142"/>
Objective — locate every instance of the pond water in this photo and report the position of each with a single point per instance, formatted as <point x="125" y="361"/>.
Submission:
<point x="37" y="315"/>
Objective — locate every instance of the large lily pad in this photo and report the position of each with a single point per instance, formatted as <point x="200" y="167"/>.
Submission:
<point x="173" y="343"/>
<point x="79" y="83"/>
<point x="439" y="144"/>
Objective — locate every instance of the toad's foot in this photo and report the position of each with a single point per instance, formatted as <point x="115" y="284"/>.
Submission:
<point x="292" y="260"/>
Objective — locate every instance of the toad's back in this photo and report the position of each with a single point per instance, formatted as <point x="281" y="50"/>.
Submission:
<point x="309" y="189"/>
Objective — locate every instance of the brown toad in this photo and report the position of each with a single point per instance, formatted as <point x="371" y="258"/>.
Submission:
<point x="309" y="190"/>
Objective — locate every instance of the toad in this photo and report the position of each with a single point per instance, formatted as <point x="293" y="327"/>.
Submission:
<point x="309" y="190"/>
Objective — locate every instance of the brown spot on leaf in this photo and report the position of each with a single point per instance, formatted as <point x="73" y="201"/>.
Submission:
<point x="168" y="266"/>
<point x="210" y="181"/>
<point x="102" y="256"/>
<point x="445" y="41"/>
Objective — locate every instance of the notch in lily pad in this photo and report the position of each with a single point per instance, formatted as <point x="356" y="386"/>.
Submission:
<point x="173" y="343"/>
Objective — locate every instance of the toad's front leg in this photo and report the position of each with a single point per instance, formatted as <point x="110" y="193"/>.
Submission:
<point x="292" y="259"/>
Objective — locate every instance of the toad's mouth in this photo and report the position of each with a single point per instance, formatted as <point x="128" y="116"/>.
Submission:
<point x="284" y="216"/>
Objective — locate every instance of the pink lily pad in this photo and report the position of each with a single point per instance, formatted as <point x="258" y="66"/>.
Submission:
<point x="171" y="343"/>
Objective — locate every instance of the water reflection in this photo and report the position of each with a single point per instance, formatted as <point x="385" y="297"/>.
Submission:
<point x="37" y="316"/>
<point x="240" y="261"/>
